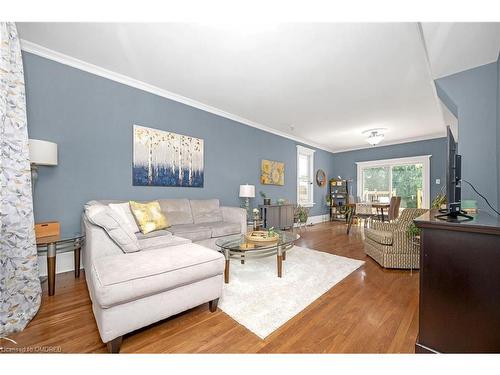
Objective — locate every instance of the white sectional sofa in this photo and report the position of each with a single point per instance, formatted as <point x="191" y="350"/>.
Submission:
<point x="169" y="273"/>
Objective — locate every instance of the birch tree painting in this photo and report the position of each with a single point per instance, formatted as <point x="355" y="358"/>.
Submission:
<point x="166" y="159"/>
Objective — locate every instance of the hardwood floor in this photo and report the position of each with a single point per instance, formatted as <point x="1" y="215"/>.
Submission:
<point x="373" y="310"/>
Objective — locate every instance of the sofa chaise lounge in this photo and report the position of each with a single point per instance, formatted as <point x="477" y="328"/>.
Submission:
<point x="158" y="274"/>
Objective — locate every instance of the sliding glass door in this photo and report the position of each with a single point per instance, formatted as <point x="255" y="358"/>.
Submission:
<point x="407" y="183"/>
<point x="376" y="183"/>
<point x="408" y="178"/>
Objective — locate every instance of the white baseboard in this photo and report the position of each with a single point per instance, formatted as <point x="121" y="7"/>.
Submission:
<point x="64" y="263"/>
<point x="316" y="219"/>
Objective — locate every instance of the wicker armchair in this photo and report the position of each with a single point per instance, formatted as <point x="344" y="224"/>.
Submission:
<point x="390" y="244"/>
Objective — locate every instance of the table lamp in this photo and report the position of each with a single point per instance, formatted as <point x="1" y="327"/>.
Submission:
<point x="247" y="192"/>
<point x="41" y="153"/>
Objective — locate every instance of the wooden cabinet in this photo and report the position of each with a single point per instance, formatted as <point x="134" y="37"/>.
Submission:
<point x="279" y="216"/>
<point x="459" y="307"/>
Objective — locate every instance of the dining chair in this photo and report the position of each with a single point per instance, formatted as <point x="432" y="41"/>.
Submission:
<point x="394" y="204"/>
<point x="362" y="211"/>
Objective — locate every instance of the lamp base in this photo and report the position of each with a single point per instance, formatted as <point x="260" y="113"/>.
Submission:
<point x="246" y="205"/>
<point x="34" y="177"/>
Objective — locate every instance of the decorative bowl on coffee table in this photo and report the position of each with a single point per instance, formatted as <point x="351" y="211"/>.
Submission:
<point x="239" y="247"/>
<point x="262" y="236"/>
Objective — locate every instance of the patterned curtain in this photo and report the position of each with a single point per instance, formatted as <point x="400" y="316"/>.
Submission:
<point x="19" y="280"/>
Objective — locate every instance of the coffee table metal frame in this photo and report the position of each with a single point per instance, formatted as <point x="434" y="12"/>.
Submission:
<point x="230" y="247"/>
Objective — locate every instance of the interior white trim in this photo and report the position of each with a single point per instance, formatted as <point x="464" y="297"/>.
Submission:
<point x="317" y="219"/>
<point x="301" y="150"/>
<point x="132" y="82"/>
<point x="305" y="150"/>
<point x="425" y="160"/>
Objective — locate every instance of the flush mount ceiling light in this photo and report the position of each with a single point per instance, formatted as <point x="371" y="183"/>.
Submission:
<point x="375" y="136"/>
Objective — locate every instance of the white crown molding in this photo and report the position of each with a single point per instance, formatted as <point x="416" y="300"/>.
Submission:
<point x="132" y="82"/>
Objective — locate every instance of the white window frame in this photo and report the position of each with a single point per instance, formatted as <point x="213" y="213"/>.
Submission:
<point x="301" y="150"/>
<point x="425" y="160"/>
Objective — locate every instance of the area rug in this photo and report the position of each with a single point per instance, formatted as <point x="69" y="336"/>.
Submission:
<point x="256" y="298"/>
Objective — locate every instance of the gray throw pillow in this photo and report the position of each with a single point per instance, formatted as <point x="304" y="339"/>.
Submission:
<point x="111" y="222"/>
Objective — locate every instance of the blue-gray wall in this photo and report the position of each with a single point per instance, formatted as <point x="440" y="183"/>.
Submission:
<point x="473" y="95"/>
<point x="344" y="164"/>
<point x="91" y="119"/>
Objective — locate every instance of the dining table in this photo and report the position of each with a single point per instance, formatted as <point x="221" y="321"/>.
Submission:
<point x="379" y="209"/>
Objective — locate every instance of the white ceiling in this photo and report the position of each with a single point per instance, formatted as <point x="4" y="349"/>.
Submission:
<point x="455" y="47"/>
<point x="329" y="81"/>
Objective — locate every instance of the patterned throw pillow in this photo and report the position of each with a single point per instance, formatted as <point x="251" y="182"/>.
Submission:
<point x="148" y="216"/>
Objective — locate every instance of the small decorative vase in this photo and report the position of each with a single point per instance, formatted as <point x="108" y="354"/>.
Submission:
<point x="267" y="201"/>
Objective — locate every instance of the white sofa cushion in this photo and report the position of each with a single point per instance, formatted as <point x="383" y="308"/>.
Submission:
<point x="206" y="211"/>
<point x="159" y="242"/>
<point x="122" y="279"/>
<point x="123" y="209"/>
<point x="108" y="219"/>
<point x="224" y="229"/>
<point x="177" y="211"/>
<point x="156" y="233"/>
<point x="194" y="232"/>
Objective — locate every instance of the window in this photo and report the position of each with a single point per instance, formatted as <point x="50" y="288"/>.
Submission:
<point x="305" y="168"/>
<point x="408" y="178"/>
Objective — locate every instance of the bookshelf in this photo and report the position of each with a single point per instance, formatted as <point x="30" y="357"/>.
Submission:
<point x="339" y="197"/>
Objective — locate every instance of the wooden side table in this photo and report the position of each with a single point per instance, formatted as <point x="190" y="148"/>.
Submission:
<point x="52" y="245"/>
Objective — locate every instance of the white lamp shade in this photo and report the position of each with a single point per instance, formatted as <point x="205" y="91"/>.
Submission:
<point x="247" y="191"/>
<point x="42" y="152"/>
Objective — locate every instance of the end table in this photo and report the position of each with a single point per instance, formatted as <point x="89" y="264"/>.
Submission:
<point x="52" y="245"/>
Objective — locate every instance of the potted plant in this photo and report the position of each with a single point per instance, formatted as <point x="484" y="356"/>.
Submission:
<point x="439" y="200"/>
<point x="414" y="233"/>
<point x="267" y="201"/>
<point x="328" y="200"/>
<point x="302" y="214"/>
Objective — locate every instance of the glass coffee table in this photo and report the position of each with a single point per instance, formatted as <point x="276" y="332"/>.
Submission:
<point x="238" y="247"/>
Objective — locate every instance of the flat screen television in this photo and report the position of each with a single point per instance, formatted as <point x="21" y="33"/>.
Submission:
<point x="453" y="182"/>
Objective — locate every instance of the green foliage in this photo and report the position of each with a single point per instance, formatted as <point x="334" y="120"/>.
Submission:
<point x="302" y="214"/>
<point x="376" y="179"/>
<point x="262" y="194"/>
<point x="413" y="230"/>
<point x="439" y="200"/>
<point x="406" y="182"/>
<point x="328" y="199"/>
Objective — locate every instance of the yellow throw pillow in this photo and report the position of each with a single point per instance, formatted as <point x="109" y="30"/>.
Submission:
<point x="148" y="216"/>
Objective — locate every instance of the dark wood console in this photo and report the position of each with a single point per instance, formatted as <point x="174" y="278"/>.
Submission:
<point x="459" y="307"/>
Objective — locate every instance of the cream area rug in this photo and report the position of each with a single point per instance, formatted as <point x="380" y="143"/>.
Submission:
<point x="256" y="298"/>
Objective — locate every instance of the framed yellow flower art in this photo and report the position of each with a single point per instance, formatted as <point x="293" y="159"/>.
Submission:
<point x="272" y="173"/>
